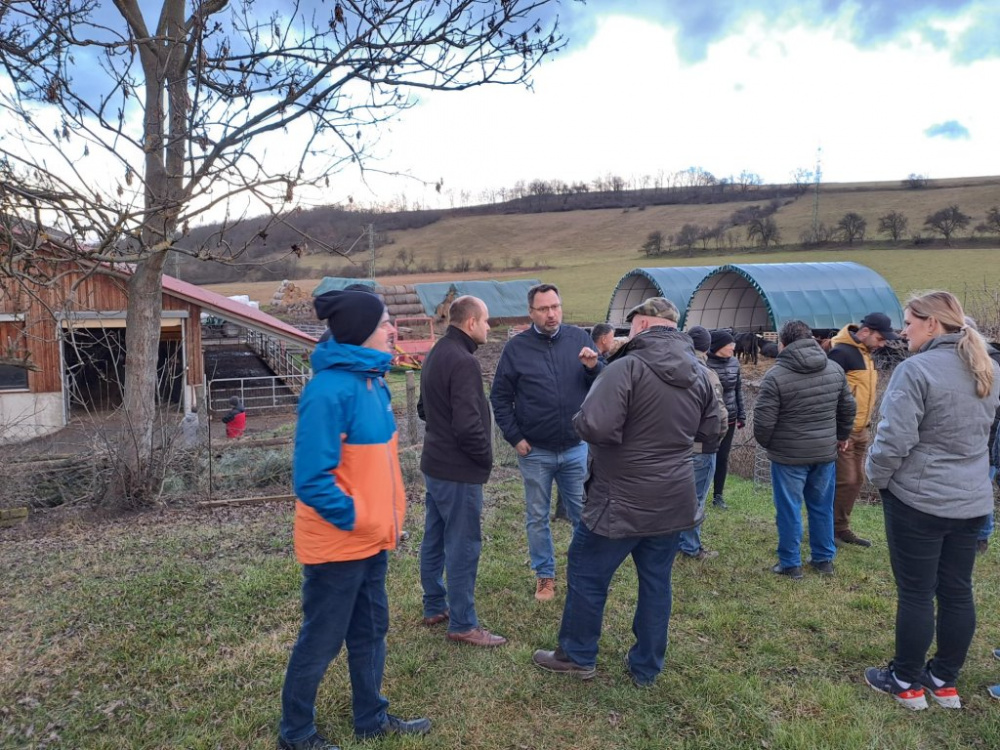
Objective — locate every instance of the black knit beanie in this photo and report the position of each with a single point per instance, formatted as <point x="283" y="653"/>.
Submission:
<point x="720" y="338"/>
<point x="701" y="337"/>
<point x="351" y="316"/>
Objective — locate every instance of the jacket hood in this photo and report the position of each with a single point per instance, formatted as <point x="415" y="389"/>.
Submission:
<point x="844" y="336"/>
<point x="332" y="354"/>
<point x="804" y="355"/>
<point x="668" y="353"/>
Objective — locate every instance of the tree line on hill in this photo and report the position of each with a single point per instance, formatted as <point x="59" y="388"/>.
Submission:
<point x="755" y="227"/>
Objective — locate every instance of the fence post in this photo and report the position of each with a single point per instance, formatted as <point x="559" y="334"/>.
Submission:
<point x="411" y="407"/>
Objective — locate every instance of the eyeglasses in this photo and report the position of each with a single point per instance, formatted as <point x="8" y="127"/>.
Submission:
<point x="547" y="310"/>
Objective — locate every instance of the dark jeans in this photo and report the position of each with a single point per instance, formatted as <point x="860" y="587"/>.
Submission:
<point x="593" y="560"/>
<point x="341" y="602"/>
<point x="932" y="557"/>
<point x="452" y="543"/>
<point x="722" y="461"/>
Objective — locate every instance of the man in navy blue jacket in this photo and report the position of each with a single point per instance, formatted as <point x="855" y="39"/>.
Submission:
<point x="541" y="380"/>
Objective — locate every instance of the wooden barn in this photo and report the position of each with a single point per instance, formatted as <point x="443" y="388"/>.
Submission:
<point x="62" y="345"/>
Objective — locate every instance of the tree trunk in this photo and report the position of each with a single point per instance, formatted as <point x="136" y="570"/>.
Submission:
<point x="134" y="481"/>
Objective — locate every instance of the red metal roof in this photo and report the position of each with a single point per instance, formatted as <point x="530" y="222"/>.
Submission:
<point x="236" y="311"/>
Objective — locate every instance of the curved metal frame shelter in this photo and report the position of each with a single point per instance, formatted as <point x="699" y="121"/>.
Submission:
<point x="676" y="283"/>
<point x="762" y="296"/>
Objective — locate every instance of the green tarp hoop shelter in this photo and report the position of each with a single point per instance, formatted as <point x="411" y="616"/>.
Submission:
<point x="763" y="296"/>
<point x="676" y="283"/>
<point x="338" y="283"/>
<point x="504" y="299"/>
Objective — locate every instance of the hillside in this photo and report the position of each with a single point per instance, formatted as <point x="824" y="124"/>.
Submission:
<point x="587" y="251"/>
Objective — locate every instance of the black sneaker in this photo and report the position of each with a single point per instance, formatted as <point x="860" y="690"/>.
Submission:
<point x="883" y="680"/>
<point x="395" y="725"/>
<point x="824" y="568"/>
<point x="316" y="742"/>
<point x="719" y="502"/>
<point x="945" y="695"/>
<point x="794" y="572"/>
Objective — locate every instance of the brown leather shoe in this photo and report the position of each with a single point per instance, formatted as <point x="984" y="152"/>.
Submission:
<point x="545" y="589"/>
<point x="437" y="619"/>
<point x="478" y="637"/>
<point x="556" y="661"/>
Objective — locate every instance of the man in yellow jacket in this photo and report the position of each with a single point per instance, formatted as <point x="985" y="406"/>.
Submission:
<point x="851" y="348"/>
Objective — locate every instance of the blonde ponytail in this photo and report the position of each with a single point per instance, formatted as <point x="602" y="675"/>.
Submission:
<point x="972" y="349"/>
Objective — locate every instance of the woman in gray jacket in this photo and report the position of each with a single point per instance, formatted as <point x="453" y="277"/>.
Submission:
<point x="930" y="463"/>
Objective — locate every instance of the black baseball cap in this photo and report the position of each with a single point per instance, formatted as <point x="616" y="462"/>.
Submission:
<point x="880" y="322"/>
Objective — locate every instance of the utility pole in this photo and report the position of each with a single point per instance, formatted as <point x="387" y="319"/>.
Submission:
<point x="817" y="176"/>
<point x="371" y="250"/>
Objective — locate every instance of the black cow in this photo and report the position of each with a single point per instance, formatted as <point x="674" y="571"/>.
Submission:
<point x="769" y="349"/>
<point x="748" y="346"/>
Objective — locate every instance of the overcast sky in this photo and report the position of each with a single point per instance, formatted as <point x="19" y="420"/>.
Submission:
<point x="883" y="88"/>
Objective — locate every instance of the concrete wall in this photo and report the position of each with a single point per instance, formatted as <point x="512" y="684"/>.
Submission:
<point x="27" y="415"/>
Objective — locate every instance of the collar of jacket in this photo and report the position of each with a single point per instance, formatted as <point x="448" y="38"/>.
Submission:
<point x="945" y="339"/>
<point x="457" y="334"/>
<point x="543" y="335"/>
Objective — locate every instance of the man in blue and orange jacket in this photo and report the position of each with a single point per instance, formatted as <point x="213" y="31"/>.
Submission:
<point x="349" y="513"/>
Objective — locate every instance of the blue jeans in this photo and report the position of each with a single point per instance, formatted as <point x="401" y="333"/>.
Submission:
<point x="932" y="558"/>
<point x="704" y="469"/>
<point x="341" y="602"/>
<point x="593" y="560"/>
<point x="814" y="485"/>
<point x="987" y="531"/>
<point x="452" y="543"/>
<point x="539" y="468"/>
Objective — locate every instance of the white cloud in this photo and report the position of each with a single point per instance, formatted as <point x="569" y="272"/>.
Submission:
<point x="763" y="100"/>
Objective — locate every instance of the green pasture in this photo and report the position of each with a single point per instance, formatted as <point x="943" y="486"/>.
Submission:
<point x="172" y="630"/>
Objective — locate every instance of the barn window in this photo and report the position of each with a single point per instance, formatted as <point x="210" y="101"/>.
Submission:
<point x="13" y="373"/>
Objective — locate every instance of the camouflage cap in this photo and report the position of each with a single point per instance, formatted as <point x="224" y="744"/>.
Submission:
<point x="655" y="307"/>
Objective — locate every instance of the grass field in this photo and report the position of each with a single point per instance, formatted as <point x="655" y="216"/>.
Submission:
<point x="587" y="280"/>
<point x="172" y="629"/>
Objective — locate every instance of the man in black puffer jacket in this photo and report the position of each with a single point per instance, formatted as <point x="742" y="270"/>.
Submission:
<point x="802" y="418"/>
<point x="641" y="420"/>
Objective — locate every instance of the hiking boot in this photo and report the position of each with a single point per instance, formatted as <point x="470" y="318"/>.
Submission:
<point x="945" y="694"/>
<point x="824" y="567"/>
<point x="982" y="545"/>
<point x="557" y="661"/>
<point x="395" y="725"/>
<point x="849" y="537"/>
<point x="545" y="589"/>
<point x="719" y="502"/>
<point x="794" y="572"/>
<point x="883" y="680"/>
<point x="478" y="637"/>
<point x="316" y="742"/>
